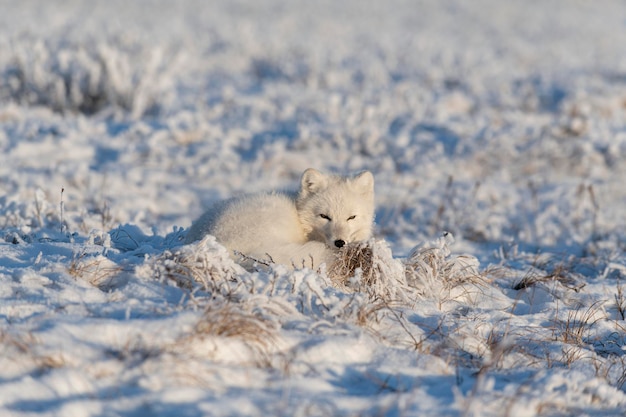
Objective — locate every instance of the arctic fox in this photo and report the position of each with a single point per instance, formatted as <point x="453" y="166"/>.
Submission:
<point x="296" y="229"/>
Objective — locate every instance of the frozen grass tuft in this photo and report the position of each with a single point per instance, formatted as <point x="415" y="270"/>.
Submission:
<point x="575" y="329"/>
<point x="433" y="271"/>
<point x="430" y="269"/>
<point x="99" y="271"/>
<point x="544" y="272"/>
<point x="85" y="76"/>
<point x="370" y="267"/>
<point x="227" y="319"/>
<point x="206" y="263"/>
<point x="224" y="319"/>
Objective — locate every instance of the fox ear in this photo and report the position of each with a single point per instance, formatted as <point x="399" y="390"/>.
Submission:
<point x="364" y="182"/>
<point x="312" y="181"/>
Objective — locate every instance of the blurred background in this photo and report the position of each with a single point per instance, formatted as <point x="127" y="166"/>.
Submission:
<point x="502" y="122"/>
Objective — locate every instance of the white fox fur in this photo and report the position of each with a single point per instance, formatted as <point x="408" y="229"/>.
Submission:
<point x="303" y="229"/>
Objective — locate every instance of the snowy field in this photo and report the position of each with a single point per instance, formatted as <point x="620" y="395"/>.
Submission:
<point x="500" y="122"/>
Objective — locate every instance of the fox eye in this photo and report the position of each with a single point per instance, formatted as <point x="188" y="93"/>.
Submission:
<point x="351" y="217"/>
<point x="324" y="216"/>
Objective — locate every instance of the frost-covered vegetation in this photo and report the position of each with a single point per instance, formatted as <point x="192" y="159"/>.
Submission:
<point x="496" y="135"/>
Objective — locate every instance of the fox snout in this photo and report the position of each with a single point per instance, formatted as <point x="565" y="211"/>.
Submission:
<point x="338" y="236"/>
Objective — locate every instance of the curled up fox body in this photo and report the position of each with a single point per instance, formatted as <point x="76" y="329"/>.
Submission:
<point x="296" y="229"/>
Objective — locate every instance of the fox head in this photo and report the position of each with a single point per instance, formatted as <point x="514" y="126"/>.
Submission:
<point x="336" y="210"/>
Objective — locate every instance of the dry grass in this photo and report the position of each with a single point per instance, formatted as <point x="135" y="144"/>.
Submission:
<point x="499" y="347"/>
<point x="369" y="312"/>
<point x="384" y="289"/>
<point x="613" y="370"/>
<point x="575" y="329"/>
<point x="25" y="346"/>
<point x="561" y="274"/>
<point x="84" y="77"/>
<point x="98" y="215"/>
<point x="620" y="301"/>
<point x="365" y="265"/>
<point x="21" y="343"/>
<point x="135" y="351"/>
<point x="434" y="274"/>
<point x="98" y="271"/>
<point x="203" y="263"/>
<point x="224" y="319"/>
<point x="369" y="267"/>
<point x="352" y="259"/>
<point x="48" y="362"/>
<point x="451" y="272"/>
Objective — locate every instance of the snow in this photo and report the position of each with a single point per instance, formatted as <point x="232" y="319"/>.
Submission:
<point x="501" y="123"/>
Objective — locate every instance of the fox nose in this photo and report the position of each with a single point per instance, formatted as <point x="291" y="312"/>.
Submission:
<point x="339" y="243"/>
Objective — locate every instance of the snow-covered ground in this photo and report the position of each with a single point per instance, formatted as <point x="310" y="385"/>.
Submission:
<point x="503" y="123"/>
